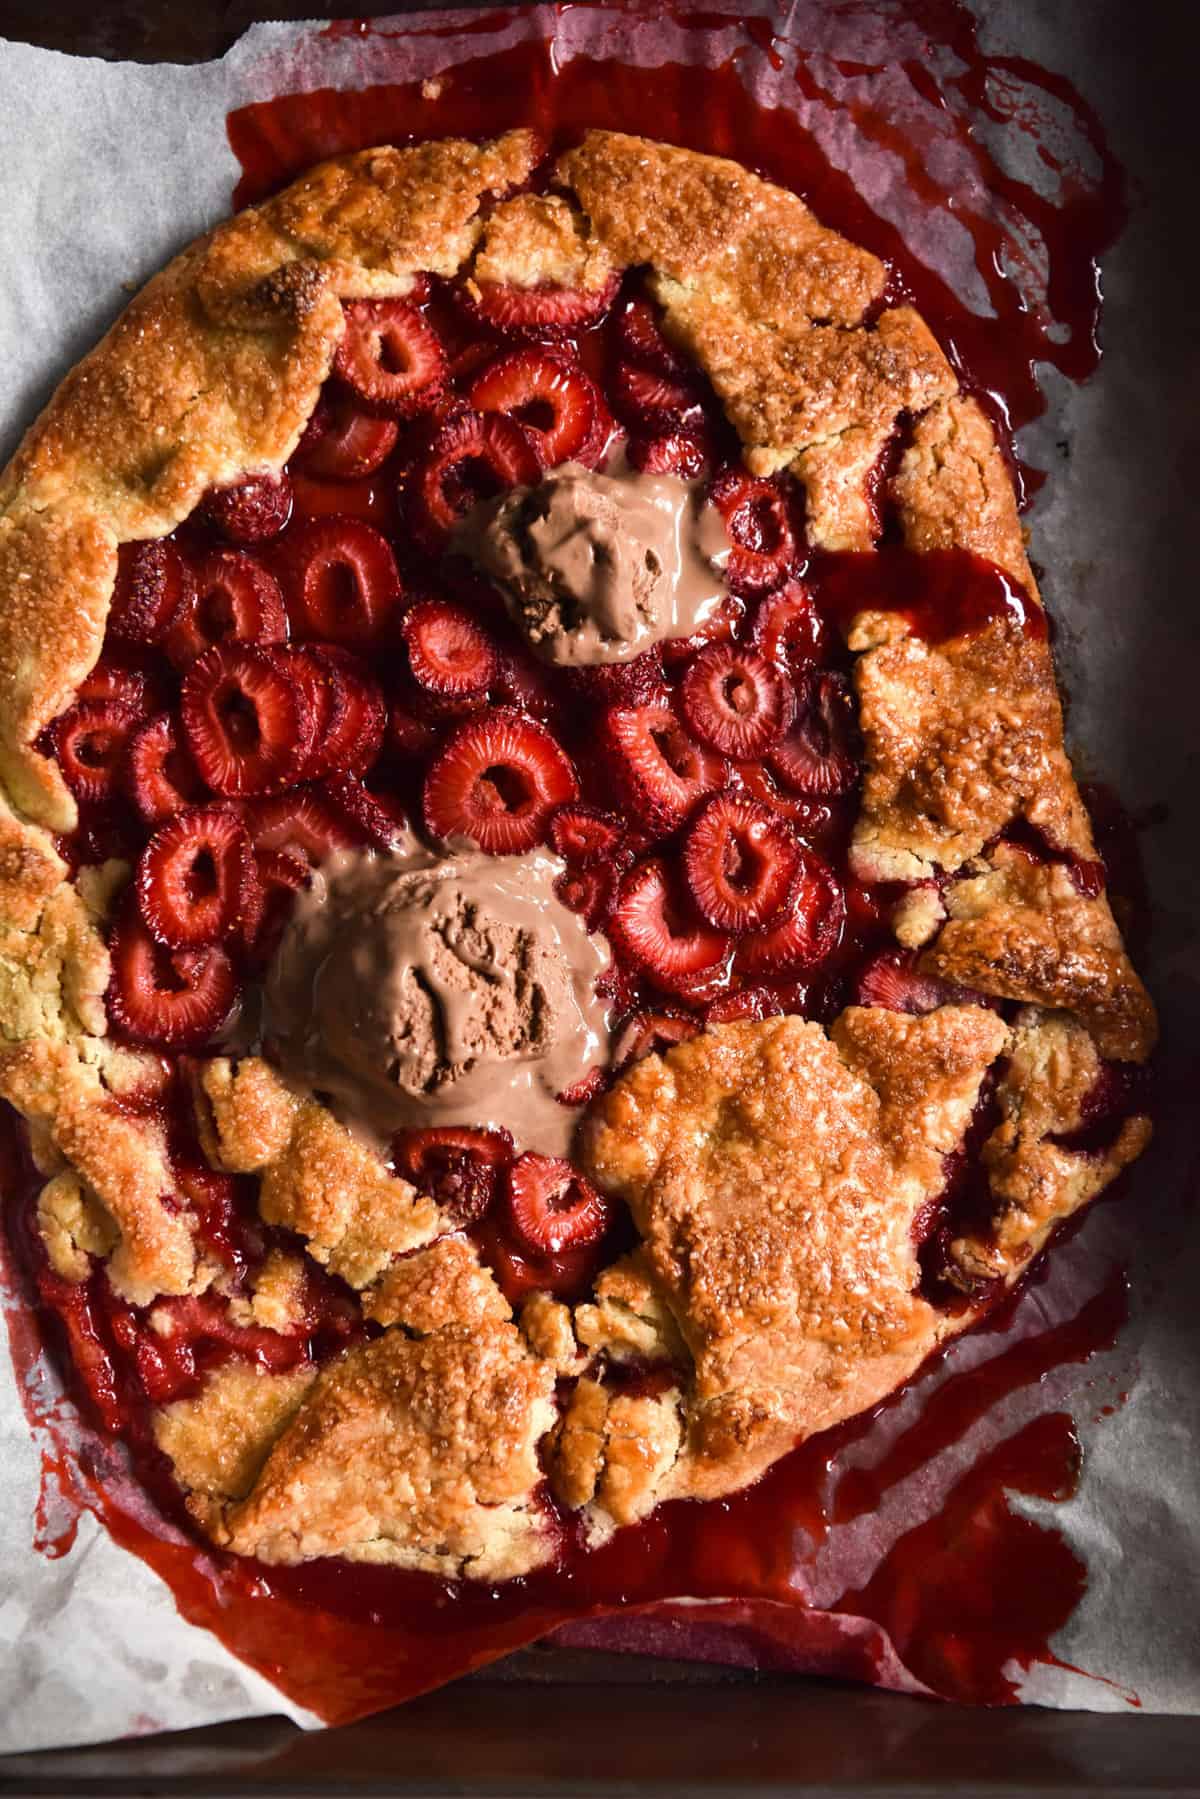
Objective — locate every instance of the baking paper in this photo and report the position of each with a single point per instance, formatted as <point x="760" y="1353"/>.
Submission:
<point x="113" y="167"/>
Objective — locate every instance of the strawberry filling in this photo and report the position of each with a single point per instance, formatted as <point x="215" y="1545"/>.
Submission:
<point x="473" y="456"/>
<point x="682" y="453"/>
<point x="353" y="714"/>
<point x="160" y="776"/>
<point x="152" y="582"/>
<point x="90" y="741"/>
<point x="497" y="781"/>
<point x="250" y="511"/>
<point x="816" y="756"/>
<point x="546" y="393"/>
<point x="536" y="311"/>
<point x="659" y="930"/>
<point x="739" y="860"/>
<point x="759" y="527"/>
<point x="195" y="876"/>
<point x="460" y="1168"/>
<point x="245" y="720"/>
<point x="552" y="1206"/>
<point x="449" y="653"/>
<point x="584" y="835"/>
<point x="230" y="598"/>
<point x="650" y="1034"/>
<point x="640" y="339"/>
<point x="807" y="932"/>
<point x="892" y="980"/>
<point x="735" y="701"/>
<point x="788" y="629"/>
<point x="390" y="357"/>
<point x="174" y="999"/>
<point x="340" y="581"/>
<point x="343" y="443"/>
<point x="649" y="401"/>
<point x="659" y="770"/>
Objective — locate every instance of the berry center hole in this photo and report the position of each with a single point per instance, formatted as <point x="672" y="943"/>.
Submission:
<point x="504" y="788"/>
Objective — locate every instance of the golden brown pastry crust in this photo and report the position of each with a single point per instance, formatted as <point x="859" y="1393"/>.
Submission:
<point x="774" y="1170"/>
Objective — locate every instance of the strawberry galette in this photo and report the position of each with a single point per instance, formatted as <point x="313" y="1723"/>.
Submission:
<point x="551" y="947"/>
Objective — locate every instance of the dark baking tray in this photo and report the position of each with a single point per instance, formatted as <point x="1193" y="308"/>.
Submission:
<point x="553" y="1722"/>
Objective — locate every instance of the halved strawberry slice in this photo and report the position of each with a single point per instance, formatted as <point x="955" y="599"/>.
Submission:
<point x="660" y="771"/>
<point x="250" y="511"/>
<point x="152" y="580"/>
<point x="343" y="443"/>
<point x="788" y="629"/>
<point x="809" y="929"/>
<point x="522" y="681"/>
<point x="658" y="928"/>
<point x="682" y="453"/>
<point x="160" y="777"/>
<point x="306" y="823"/>
<point x="739" y="861"/>
<point x="450" y="654"/>
<point x="125" y="683"/>
<point x="641" y="339"/>
<point x="650" y="1034"/>
<point x="409" y="731"/>
<point x="170" y="998"/>
<point x="547" y="393"/>
<point x="536" y="311"/>
<point x="756" y="1003"/>
<point x="380" y="820"/>
<point x="321" y="696"/>
<point x="340" y="581"/>
<point x="194" y="877"/>
<point x="245" y="720"/>
<point x="735" y="701"/>
<point x="553" y="1207"/>
<point x="586" y="835"/>
<point x="472" y="457"/>
<point x="808" y="816"/>
<point x="721" y="626"/>
<point x="587" y="891"/>
<point x="893" y="981"/>
<point x="759" y="527"/>
<point x="390" y="357"/>
<point x="816" y="756"/>
<point x="497" y="781"/>
<point x="649" y="401"/>
<point x="231" y="598"/>
<point x="457" y="1166"/>
<point x="353" y="734"/>
<point x="90" y="741"/>
<point x="631" y="683"/>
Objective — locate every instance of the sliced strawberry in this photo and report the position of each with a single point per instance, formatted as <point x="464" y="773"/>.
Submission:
<point x="322" y="698"/>
<point x="759" y="527"/>
<point x="353" y="734"/>
<point x="536" y="311"/>
<point x="553" y="1207"/>
<point x="660" y="771"/>
<point x="588" y="892"/>
<point x="631" y="683"/>
<point x="735" y="701"/>
<point x="280" y="876"/>
<point x="808" y="816"/>
<point x="545" y="392"/>
<point x="128" y="685"/>
<point x="583" y="1091"/>
<point x="497" y="781"/>
<point x="721" y="626"/>
<point x="810" y="928"/>
<point x="586" y="835"/>
<point x="472" y="457"/>
<point x="650" y="402"/>
<point x="788" y="629"/>
<point x="641" y="340"/>
<point x="250" y="511"/>
<point x="390" y="357"/>
<point x="343" y="443"/>
<point x="160" y="777"/>
<point x="306" y="822"/>
<point x="379" y="821"/>
<point x="152" y="580"/>
<point x="231" y="598"/>
<point x="649" y="1034"/>
<point x="756" y="1003"/>
<point x="459" y="1167"/>
<point x="194" y="877"/>
<point x="171" y="998"/>
<point x="340" y="581"/>
<point x="246" y="722"/>
<point x="522" y="681"/>
<point x="892" y="980"/>
<point x="682" y="453"/>
<point x="659" y="930"/>
<point x="450" y="654"/>
<point x="816" y="756"/>
<point x="90" y="741"/>
<point x="409" y="731"/>
<point x="739" y="861"/>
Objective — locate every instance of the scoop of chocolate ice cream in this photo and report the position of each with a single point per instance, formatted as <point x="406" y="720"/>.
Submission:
<point x="595" y="568"/>
<point x="414" y="989"/>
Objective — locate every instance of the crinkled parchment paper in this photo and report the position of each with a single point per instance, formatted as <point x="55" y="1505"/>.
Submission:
<point x="109" y="168"/>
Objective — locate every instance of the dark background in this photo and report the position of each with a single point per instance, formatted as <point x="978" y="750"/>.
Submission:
<point x="548" y="1723"/>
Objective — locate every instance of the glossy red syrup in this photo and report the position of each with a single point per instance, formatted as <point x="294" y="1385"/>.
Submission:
<point x="345" y="1640"/>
